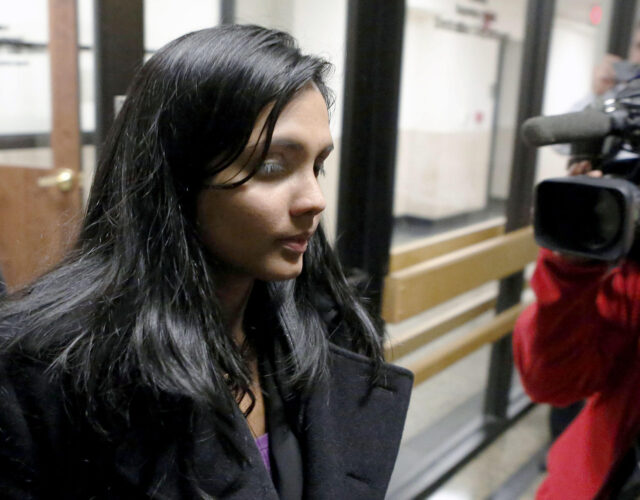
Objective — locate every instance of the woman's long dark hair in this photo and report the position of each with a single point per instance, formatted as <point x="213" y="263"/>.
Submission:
<point x="133" y="305"/>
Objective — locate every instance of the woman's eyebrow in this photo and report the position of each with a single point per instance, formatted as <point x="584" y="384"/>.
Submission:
<point x="289" y="144"/>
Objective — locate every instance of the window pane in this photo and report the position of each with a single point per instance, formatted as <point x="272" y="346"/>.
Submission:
<point x="459" y="92"/>
<point x="457" y="111"/>
<point x="25" y="80"/>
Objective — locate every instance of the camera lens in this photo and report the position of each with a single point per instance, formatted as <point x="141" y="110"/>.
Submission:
<point x="580" y="216"/>
<point x="602" y="222"/>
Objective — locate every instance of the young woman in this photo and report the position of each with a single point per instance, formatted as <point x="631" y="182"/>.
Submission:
<point x="200" y="340"/>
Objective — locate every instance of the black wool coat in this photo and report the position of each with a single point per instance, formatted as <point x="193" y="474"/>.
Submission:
<point x="349" y="439"/>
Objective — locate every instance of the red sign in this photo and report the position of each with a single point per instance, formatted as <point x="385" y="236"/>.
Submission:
<point x="595" y="16"/>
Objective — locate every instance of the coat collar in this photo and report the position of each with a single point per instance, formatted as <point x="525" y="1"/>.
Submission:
<point x="350" y="434"/>
<point x="352" y="428"/>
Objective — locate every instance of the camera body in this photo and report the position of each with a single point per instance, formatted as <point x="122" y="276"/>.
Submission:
<point x="587" y="217"/>
<point x="597" y="218"/>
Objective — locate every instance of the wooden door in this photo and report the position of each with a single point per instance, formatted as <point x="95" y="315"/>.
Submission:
<point x="40" y="207"/>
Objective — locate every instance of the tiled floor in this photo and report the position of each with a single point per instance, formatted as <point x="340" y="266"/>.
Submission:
<point x="488" y="472"/>
<point x="509" y="469"/>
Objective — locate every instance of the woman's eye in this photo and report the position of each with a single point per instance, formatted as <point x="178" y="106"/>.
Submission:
<point x="318" y="169"/>
<point x="271" y="167"/>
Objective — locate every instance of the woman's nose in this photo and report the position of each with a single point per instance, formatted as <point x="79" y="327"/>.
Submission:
<point x="308" y="199"/>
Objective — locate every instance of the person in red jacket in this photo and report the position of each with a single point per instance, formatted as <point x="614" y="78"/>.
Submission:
<point x="580" y="341"/>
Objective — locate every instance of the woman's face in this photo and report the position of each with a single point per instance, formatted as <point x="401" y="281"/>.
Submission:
<point x="261" y="228"/>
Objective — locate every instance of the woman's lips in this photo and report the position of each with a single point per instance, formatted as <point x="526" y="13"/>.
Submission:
<point x="297" y="244"/>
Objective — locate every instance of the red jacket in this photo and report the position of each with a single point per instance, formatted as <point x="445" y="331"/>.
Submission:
<point x="580" y="341"/>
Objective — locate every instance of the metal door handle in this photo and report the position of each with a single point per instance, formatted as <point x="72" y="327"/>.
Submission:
<point x="62" y="177"/>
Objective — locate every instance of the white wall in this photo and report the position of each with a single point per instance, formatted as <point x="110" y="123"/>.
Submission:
<point x="509" y="20"/>
<point x="431" y="176"/>
<point x="165" y="20"/>
<point x="446" y="111"/>
<point x="276" y="14"/>
<point x="25" y="94"/>
<point x="573" y="54"/>
<point x="25" y="79"/>
<point x="25" y="20"/>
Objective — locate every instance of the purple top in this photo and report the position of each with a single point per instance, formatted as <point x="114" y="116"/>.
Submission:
<point x="263" y="446"/>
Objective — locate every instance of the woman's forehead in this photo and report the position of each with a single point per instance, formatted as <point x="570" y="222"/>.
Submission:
<point x="306" y="114"/>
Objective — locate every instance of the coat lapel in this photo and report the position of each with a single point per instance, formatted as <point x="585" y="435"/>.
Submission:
<point x="161" y="465"/>
<point x="352" y="430"/>
<point x="219" y="474"/>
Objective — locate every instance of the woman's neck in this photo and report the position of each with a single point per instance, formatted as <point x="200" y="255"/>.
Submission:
<point x="233" y="295"/>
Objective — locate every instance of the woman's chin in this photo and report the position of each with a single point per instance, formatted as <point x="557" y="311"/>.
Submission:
<point x="286" y="271"/>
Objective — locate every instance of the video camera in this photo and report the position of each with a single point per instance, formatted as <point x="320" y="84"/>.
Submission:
<point x="597" y="218"/>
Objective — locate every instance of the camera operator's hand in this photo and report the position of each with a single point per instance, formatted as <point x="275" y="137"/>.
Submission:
<point x="582" y="167"/>
<point x="604" y="74"/>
